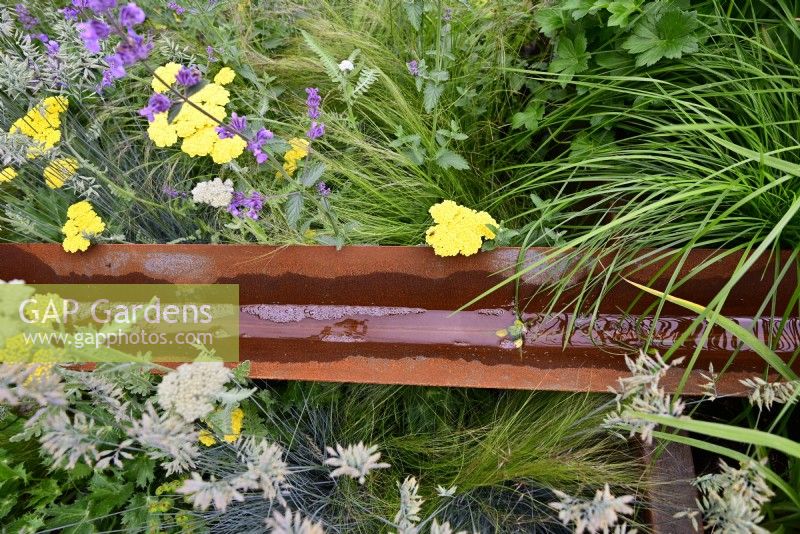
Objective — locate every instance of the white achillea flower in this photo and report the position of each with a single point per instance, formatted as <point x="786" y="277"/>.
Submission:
<point x="203" y="493"/>
<point x="286" y="523"/>
<point x="407" y="517"/>
<point x="764" y="394"/>
<point x="191" y="389"/>
<point x="598" y="515"/>
<point x="214" y="192"/>
<point x="346" y="66"/>
<point x="356" y="461"/>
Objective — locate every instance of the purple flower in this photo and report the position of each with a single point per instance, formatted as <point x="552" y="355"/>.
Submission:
<point x="237" y="126"/>
<point x="131" y="15"/>
<point x="313" y="101"/>
<point x="210" y="53"/>
<point x="255" y="144"/>
<point x="53" y="48"/>
<point x="101" y="6"/>
<point x="323" y="190"/>
<point x="413" y="67"/>
<point x="25" y="18"/>
<point x="246" y="206"/>
<point x="188" y="76"/>
<point x="174" y="6"/>
<point x="133" y="48"/>
<point x="92" y="32"/>
<point x="316" y="131"/>
<point x="158" y="103"/>
<point x="448" y="14"/>
<point x="171" y="192"/>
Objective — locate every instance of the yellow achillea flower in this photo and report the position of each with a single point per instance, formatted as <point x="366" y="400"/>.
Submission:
<point x="42" y="371"/>
<point x="42" y="124"/>
<point x="224" y="76"/>
<point x="7" y="174"/>
<point x="59" y="171"/>
<point x="458" y="230"/>
<point x="168" y="73"/>
<point x="237" y="416"/>
<point x="196" y="127"/>
<point x="82" y="223"/>
<point x="298" y="151"/>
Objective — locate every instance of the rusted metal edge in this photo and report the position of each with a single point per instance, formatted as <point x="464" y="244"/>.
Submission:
<point x="385" y="314"/>
<point x="670" y="490"/>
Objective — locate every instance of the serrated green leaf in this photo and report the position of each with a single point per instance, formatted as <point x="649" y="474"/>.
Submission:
<point x="571" y="58"/>
<point x="530" y="117"/>
<point x="669" y="34"/>
<point x="242" y="371"/>
<point x="44" y="493"/>
<point x="579" y="8"/>
<point x="621" y="11"/>
<point x="135" y="517"/>
<point x="431" y="95"/>
<point x="447" y="159"/>
<point x="141" y="470"/>
<point x="551" y="20"/>
<point x="311" y="173"/>
<point x="294" y="208"/>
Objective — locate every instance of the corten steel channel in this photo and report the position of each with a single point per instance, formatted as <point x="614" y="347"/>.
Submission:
<point x="385" y="314"/>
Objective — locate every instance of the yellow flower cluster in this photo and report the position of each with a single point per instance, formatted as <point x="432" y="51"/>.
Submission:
<point x="7" y="174"/>
<point x="59" y="171"/>
<point x="197" y="128"/>
<point x="42" y="124"/>
<point x="458" y="230"/>
<point x="237" y="416"/>
<point x="18" y="349"/>
<point x="82" y="222"/>
<point x="298" y="151"/>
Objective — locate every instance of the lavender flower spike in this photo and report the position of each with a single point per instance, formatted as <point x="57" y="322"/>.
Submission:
<point x="131" y="15"/>
<point x="312" y="102"/>
<point x="316" y="131"/>
<point x="244" y="206"/>
<point x="101" y="6"/>
<point x="92" y="32"/>
<point x="413" y="67"/>
<point x="323" y="190"/>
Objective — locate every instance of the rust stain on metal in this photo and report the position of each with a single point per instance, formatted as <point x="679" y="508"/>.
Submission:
<point x="385" y="314"/>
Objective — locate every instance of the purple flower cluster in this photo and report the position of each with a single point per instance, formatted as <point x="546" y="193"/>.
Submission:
<point x="257" y="142"/>
<point x="246" y="206"/>
<point x="210" y="54"/>
<point x="171" y="192"/>
<point x="72" y="11"/>
<point x="316" y="131"/>
<point x="413" y="67"/>
<point x="313" y="102"/>
<point x="158" y="103"/>
<point x="104" y="20"/>
<point x="236" y="126"/>
<point x="174" y="6"/>
<point x="323" y="190"/>
<point x="447" y="16"/>
<point x="188" y="77"/>
<point x="25" y="18"/>
<point x="29" y="22"/>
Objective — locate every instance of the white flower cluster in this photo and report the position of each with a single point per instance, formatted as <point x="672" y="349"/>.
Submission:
<point x="598" y="515"/>
<point x="166" y="437"/>
<point x="346" y="65"/>
<point x="732" y="499"/>
<point x="286" y="523"/>
<point x="444" y="528"/>
<point x="355" y="461"/>
<point x="266" y="469"/>
<point x="764" y="394"/>
<point x="407" y="516"/>
<point x="641" y="393"/>
<point x="214" y="192"/>
<point x="191" y="390"/>
<point x="203" y="493"/>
